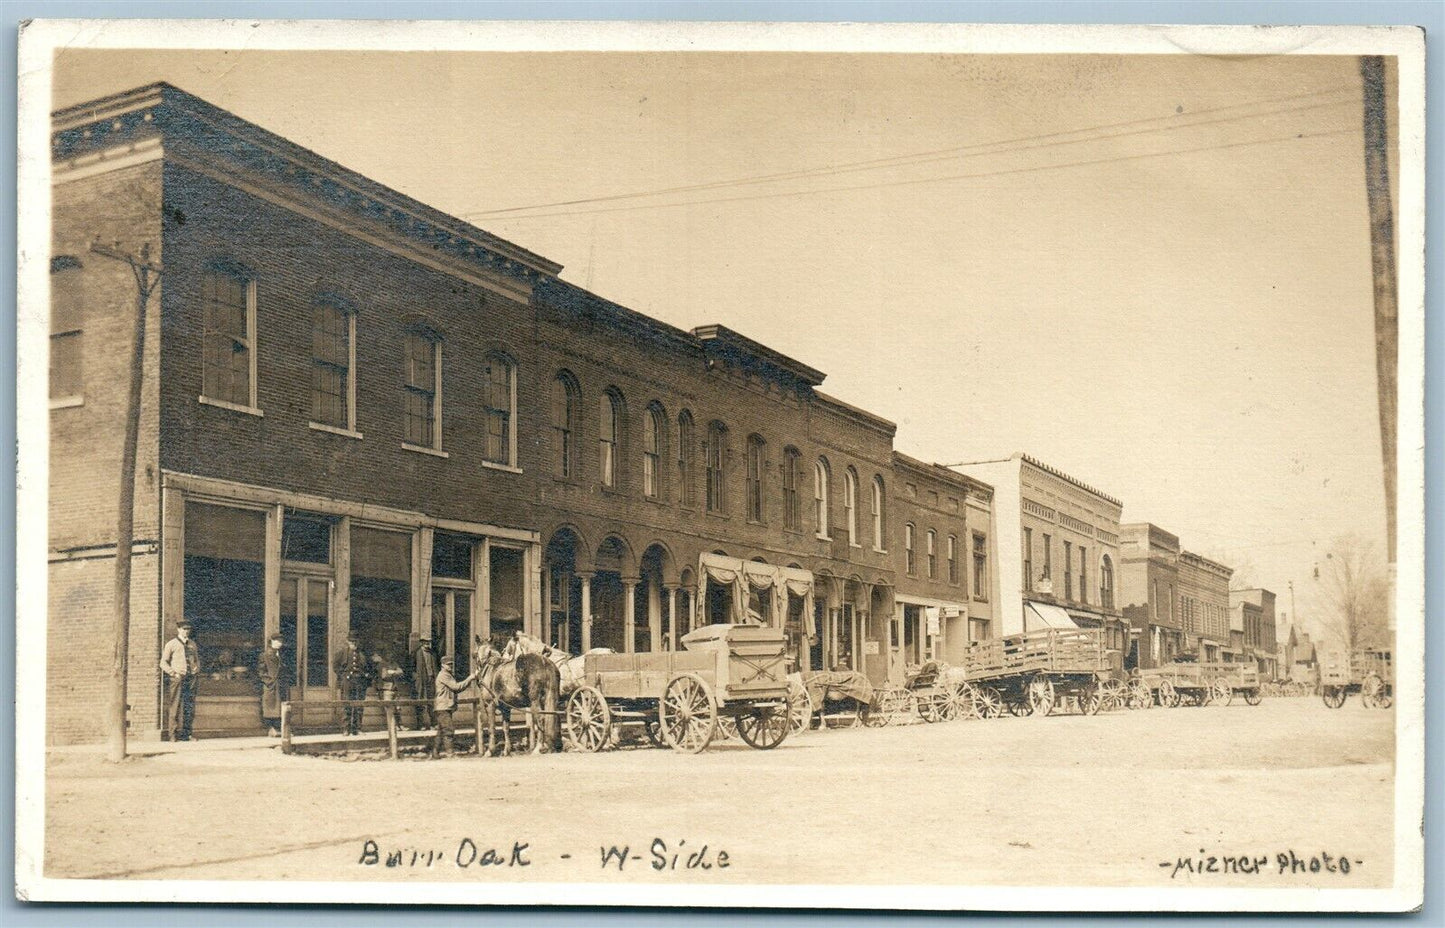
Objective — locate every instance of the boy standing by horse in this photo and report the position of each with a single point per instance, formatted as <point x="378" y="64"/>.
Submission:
<point x="445" y="705"/>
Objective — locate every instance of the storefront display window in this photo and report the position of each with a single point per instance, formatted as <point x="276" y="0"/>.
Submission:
<point x="225" y="602"/>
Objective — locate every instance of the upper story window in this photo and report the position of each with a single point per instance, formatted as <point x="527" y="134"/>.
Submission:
<point x="423" y="421"/>
<point x="792" y="514"/>
<point x="228" y="356"/>
<point x="1083" y="574"/>
<point x="850" y="505"/>
<point x="1106" y="583"/>
<point x="910" y="563"/>
<point x="67" y="314"/>
<point x="333" y="360"/>
<point x="686" y="451"/>
<point x="500" y="402"/>
<point x="952" y="550"/>
<point x="980" y="566"/>
<point x="756" y="446"/>
<point x="565" y="397"/>
<point x="1048" y="571"/>
<point x="822" y="479"/>
<point x="654" y="429"/>
<point x="716" y="457"/>
<point x="609" y="435"/>
<point x="1068" y="570"/>
<point x="878" y="528"/>
<point x="1028" y="559"/>
<point x="930" y="542"/>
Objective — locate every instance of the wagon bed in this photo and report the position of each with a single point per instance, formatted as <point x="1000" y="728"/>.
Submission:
<point x="1027" y="672"/>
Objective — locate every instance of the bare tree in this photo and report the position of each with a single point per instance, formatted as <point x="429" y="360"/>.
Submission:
<point x="1355" y="594"/>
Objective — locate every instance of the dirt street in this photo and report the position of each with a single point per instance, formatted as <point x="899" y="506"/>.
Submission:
<point x="1100" y="801"/>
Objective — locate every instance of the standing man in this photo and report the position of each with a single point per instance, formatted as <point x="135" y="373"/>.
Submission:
<point x="445" y="703"/>
<point x="424" y="680"/>
<point x="351" y="672"/>
<point x="180" y="662"/>
<point x="273" y="686"/>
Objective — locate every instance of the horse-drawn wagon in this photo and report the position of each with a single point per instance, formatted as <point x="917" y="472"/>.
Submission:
<point x="726" y="671"/>
<point x="1367" y="671"/>
<point x="1202" y="684"/>
<point x="1030" y="672"/>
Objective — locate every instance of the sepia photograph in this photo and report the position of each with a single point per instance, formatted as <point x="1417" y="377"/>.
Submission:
<point x="748" y="465"/>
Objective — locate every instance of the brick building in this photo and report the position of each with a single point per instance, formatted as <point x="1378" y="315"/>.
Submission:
<point x="1204" y="605"/>
<point x="363" y="415"/>
<point x="1068" y="536"/>
<point x="1252" y="616"/>
<point x="1149" y="593"/>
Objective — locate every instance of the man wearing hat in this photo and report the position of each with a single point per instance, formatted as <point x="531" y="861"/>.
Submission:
<point x="423" y="678"/>
<point x="351" y="671"/>
<point x="445" y="704"/>
<point x="181" y="662"/>
<point x="273" y="686"/>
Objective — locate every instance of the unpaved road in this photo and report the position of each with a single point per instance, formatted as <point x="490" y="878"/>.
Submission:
<point x="1099" y="801"/>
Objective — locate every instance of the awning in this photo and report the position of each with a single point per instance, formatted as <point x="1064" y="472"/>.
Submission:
<point x="1043" y="615"/>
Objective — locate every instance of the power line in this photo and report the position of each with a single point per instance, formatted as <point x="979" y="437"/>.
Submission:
<point x="944" y="154"/>
<point x="941" y="179"/>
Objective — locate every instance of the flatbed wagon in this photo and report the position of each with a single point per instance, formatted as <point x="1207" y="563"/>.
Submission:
<point x="1202" y="684"/>
<point x="737" y="672"/>
<point x="1032" y="672"/>
<point x="1367" y="671"/>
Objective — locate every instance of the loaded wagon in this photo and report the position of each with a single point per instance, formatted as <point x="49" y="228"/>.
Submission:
<point x="1202" y="684"/>
<point x="1367" y="671"/>
<point x="1029" y="673"/>
<point x="839" y="698"/>
<point x="737" y="672"/>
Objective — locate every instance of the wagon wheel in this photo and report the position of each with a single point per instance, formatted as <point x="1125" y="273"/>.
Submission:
<point x="963" y="702"/>
<point x="764" y="727"/>
<point x="1091" y="698"/>
<point x="1333" y="696"/>
<point x="1138" y="695"/>
<point x="1113" y="694"/>
<point x="588" y="720"/>
<point x="882" y="710"/>
<point x="928" y="708"/>
<point x="988" y="702"/>
<point x="687" y="713"/>
<point x="1019" y="707"/>
<point x="1252" y="697"/>
<point x="1040" y="696"/>
<point x="800" y="707"/>
<point x="1373" y="693"/>
<point x="1168" y="696"/>
<point x="727" y="727"/>
<point x="1220" y="693"/>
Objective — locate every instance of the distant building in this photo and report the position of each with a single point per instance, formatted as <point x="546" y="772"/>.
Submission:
<point x="1204" y="605"/>
<point x="1067" y="536"/>
<point x="1149" y="593"/>
<point x="1252" y="614"/>
<point x="1300" y="662"/>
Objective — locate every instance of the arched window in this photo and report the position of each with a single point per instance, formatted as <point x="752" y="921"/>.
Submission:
<point x="792" y="516"/>
<point x="654" y="429"/>
<point x="67" y="319"/>
<point x="500" y="402"/>
<point x="755" y="478"/>
<point x="930" y="541"/>
<point x="717" y="435"/>
<point x="686" y="448"/>
<point x="1106" y="583"/>
<point x="609" y="435"/>
<point x="228" y="356"/>
<point x="850" y="505"/>
<point x="910" y="563"/>
<point x="953" y="559"/>
<point x="877" y="513"/>
<point x="822" y="478"/>
<point x="565" y="397"/>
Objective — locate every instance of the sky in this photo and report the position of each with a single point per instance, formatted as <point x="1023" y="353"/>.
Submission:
<point x="1152" y="272"/>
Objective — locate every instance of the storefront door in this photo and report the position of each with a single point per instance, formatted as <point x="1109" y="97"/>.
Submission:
<point x="306" y="636"/>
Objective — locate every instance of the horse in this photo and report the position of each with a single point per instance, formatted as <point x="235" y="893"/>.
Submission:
<point x="570" y="667"/>
<point x="516" y="680"/>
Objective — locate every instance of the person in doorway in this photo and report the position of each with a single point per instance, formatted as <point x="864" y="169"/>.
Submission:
<point x="180" y="662"/>
<point x="351" y="671"/>
<point x="423" y="680"/>
<point x="273" y="686"/>
<point x="445" y="703"/>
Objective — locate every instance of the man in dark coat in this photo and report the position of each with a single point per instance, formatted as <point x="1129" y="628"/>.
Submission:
<point x="351" y="672"/>
<point x="424" y="681"/>
<point x="273" y="686"/>
<point x="445" y="703"/>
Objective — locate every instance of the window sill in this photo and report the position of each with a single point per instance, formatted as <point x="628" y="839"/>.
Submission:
<point x="878" y="550"/>
<point x="419" y="449"/>
<point x="719" y="515"/>
<point x="508" y="468"/>
<point x="821" y="537"/>
<point x="335" y="430"/>
<point x="654" y="500"/>
<point x="234" y="407"/>
<point x="66" y="402"/>
<point x="980" y="599"/>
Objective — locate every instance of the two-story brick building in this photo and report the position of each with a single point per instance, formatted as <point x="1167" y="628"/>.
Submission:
<point x="1204" y="605"/>
<point x="1252" y="616"/>
<point x="363" y="416"/>
<point x="1149" y="593"/>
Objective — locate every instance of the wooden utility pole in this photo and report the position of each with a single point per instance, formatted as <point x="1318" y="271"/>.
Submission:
<point x="147" y="277"/>
<point x="1382" y="264"/>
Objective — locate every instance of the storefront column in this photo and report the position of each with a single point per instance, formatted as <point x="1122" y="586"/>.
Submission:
<point x="340" y="587"/>
<point x="272" y="570"/>
<point x="483" y="573"/>
<point x="654" y="616"/>
<point x="629" y="614"/>
<point x="586" y="579"/>
<point x="421" y="617"/>
<point x="671" y="593"/>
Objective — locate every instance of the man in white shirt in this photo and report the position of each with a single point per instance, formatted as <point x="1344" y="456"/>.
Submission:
<point x="180" y="662"/>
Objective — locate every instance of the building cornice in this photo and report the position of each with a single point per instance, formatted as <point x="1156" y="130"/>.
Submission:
<point x="861" y="416"/>
<point x="1074" y="481"/>
<point x="722" y="340"/>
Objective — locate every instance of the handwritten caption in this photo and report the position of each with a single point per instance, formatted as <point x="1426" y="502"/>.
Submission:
<point x="1281" y="863"/>
<point x="470" y="854"/>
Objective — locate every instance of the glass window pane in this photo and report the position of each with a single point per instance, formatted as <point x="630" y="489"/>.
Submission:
<point x="452" y="557"/>
<point x="381" y="592"/>
<point x="318" y="645"/>
<point x="305" y="539"/>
